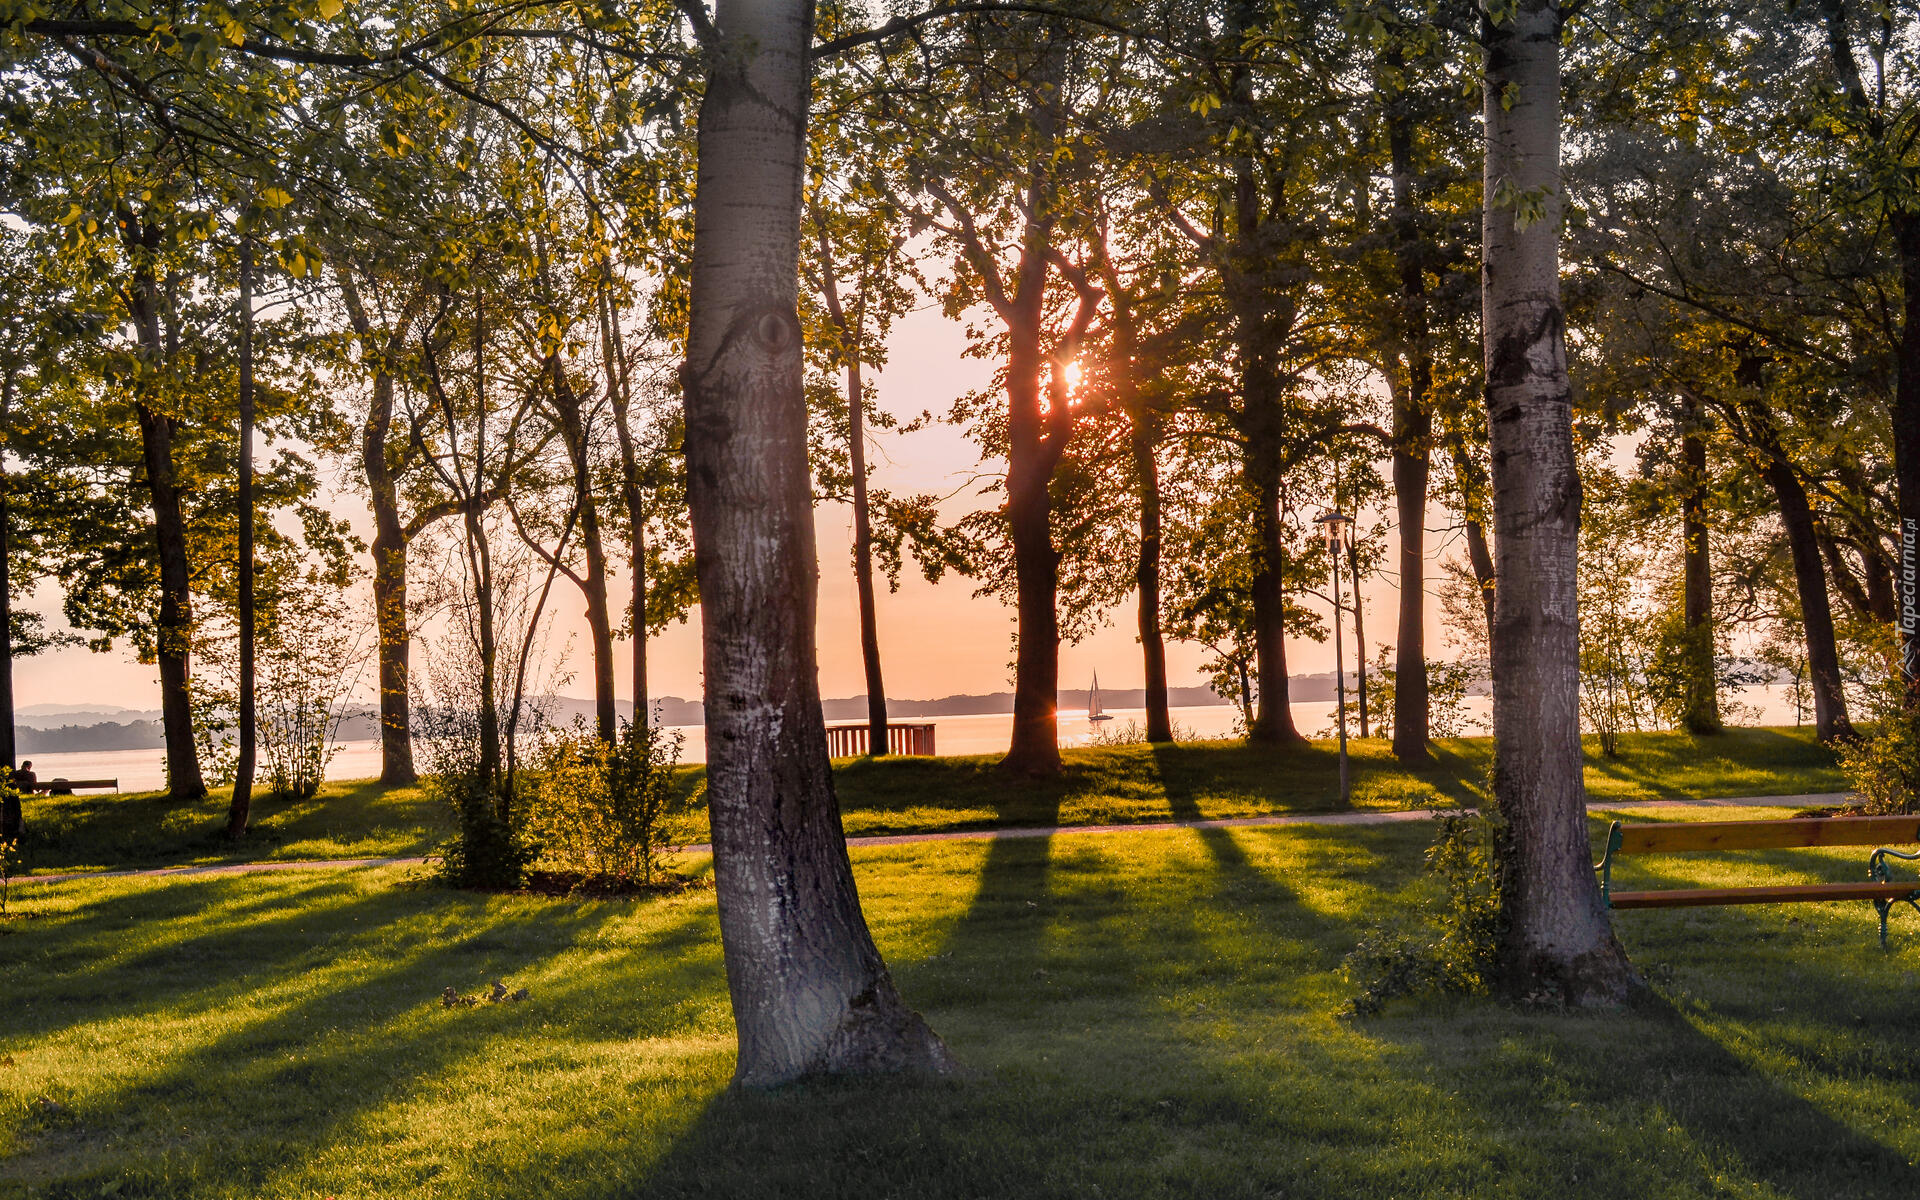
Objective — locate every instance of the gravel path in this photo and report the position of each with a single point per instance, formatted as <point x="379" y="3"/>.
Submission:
<point x="1812" y="800"/>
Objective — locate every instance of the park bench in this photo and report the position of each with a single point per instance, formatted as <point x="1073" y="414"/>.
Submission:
<point x="850" y="740"/>
<point x="1879" y="887"/>
<point x="66" y="787"/>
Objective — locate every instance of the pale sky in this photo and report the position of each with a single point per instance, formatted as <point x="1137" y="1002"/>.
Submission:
<point x="935" y="639"/>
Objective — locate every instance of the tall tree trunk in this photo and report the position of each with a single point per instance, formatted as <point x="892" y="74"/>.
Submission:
<point x="810" y="992"/>
<point x="1273" y="714"/>
<point x="1702" y="713"/>
<point x="573" y="431"/>
<point x="394" y="638"/>
<point x="480" y="567"/>
<point x="240" y="810"/>
<point x="11" y="821"/>
<point x="173" y="635"/>
<point x="1036" y="439"/>
<point x="1146" y="578"/>
<point x="863" y="563"/>
<point x="1816" y="613"/>
<point x="1558" y="938"/>
<point x="1143" y="440"/>
<point x="1412" y="443"/>
<point x="619" y="391"/>
<point x="1473" y="488"/>
<point x="1359" y="634"/>
<point x="1035" y="746"/>
<point x="862" y="517"/>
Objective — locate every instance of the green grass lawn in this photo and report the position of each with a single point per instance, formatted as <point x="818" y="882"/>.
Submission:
<point x="1144" y="1015"/>
<point x="1102" y="785"/>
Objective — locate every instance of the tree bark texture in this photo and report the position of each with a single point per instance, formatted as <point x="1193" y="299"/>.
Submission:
<point x="1702" y="713"/>
<point x="863" y="563"/>
<point x="810" y="992"/>
<point x="633" y="495"/>
<point x="389" y="548"/>
<point x="1558" y="939"/>
<point x="1412" y="448"/>
<point x="1830" y="719"/>
<point x="240" y="809"/>
<point x="569" y="410"/>
<point x="173" y="633"/>
<point x="862" y="516"/>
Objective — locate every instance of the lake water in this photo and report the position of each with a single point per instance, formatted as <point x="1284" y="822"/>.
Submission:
<point x="984" y="733"/>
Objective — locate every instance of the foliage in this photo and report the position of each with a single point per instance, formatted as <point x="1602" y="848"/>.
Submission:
<point x="310" y="652"/>
<point x="1455" y="949"/>
<point x="598" y="810"/>
<point x="1613" y="615"/>
<point x="489" y="848"/>
<point x="1883" y="768"/>
<point x="1447" y="684"/>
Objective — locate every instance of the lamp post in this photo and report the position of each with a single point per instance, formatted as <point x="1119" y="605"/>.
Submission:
<point x="1333" y="529"/>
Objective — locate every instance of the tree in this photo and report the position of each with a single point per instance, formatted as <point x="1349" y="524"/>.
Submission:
<point x="1001" y="183"/>
<point x="810" y="991"/>
<point x="1557" y="936"/>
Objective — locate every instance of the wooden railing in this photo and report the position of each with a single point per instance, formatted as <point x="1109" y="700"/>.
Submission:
<point x="850" y="741"/>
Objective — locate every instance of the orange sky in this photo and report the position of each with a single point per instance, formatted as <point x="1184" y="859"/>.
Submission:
<point x="935" y="640"/>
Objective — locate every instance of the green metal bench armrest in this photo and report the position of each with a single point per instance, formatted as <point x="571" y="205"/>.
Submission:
<point x="1878" y="870"/>
<point x="1605" y="865"/>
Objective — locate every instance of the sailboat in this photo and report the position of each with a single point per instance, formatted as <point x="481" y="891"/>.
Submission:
<point x="1094" y="712"/>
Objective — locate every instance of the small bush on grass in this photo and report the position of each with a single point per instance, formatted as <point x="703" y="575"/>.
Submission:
<point x="599" y="810"/>
<point x="1453" y="948"/>
<point x="490" y="849"/>
<point x="1885" y="768"/>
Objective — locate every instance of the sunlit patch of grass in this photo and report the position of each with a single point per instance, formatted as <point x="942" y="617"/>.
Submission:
<point x="1101" y="785"/>
<point x="1143" y="1015"/>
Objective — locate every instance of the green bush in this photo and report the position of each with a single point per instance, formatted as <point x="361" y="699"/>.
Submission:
<point x="490" y="849"/>
<point x="1885" y="768"/>
<point x="599" y="810"/>
<point x="1455" y="946"/>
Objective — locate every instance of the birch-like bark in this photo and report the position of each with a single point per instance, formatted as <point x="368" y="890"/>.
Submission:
<point x="1558" y="939"/>
<point x="810" y="992"/>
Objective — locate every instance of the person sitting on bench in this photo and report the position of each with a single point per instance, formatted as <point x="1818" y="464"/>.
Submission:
<point x="13" y="823"/>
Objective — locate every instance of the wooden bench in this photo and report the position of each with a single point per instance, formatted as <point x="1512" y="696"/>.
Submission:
<point x="850" y="740"/>
<point x="66" y="787"/>
<point x="1879" y="887"/>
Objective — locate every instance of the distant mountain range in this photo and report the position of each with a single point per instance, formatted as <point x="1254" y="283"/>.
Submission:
<point x="56" y="729"/>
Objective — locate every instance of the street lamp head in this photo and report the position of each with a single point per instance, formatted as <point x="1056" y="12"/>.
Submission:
<point x="1333" y="529"/>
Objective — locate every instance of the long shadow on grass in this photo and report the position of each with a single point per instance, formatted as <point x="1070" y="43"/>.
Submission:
<point x="1081" y="988"/>
<point x="302" y="1054"/>
<point x="1645" y="1103"/>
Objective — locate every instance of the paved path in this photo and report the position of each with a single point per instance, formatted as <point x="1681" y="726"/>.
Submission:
<point x="1390" y="817"/>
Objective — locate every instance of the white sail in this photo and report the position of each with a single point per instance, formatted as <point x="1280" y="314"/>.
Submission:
<point x="1094" y="712"/>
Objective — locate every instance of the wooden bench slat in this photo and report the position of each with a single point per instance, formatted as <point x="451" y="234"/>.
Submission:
<point x="1698" y="897"/>
<point x="1768" y="835"/>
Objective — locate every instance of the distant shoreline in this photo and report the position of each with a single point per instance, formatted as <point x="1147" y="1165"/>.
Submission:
<point x="47" y="729"/>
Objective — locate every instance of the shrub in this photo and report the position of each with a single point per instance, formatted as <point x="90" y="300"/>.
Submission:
<point x="1885" y="769"/>
<point x="490" y="849"/>
<point x="599" y="810"/>
<point x="1454" y="949"/>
